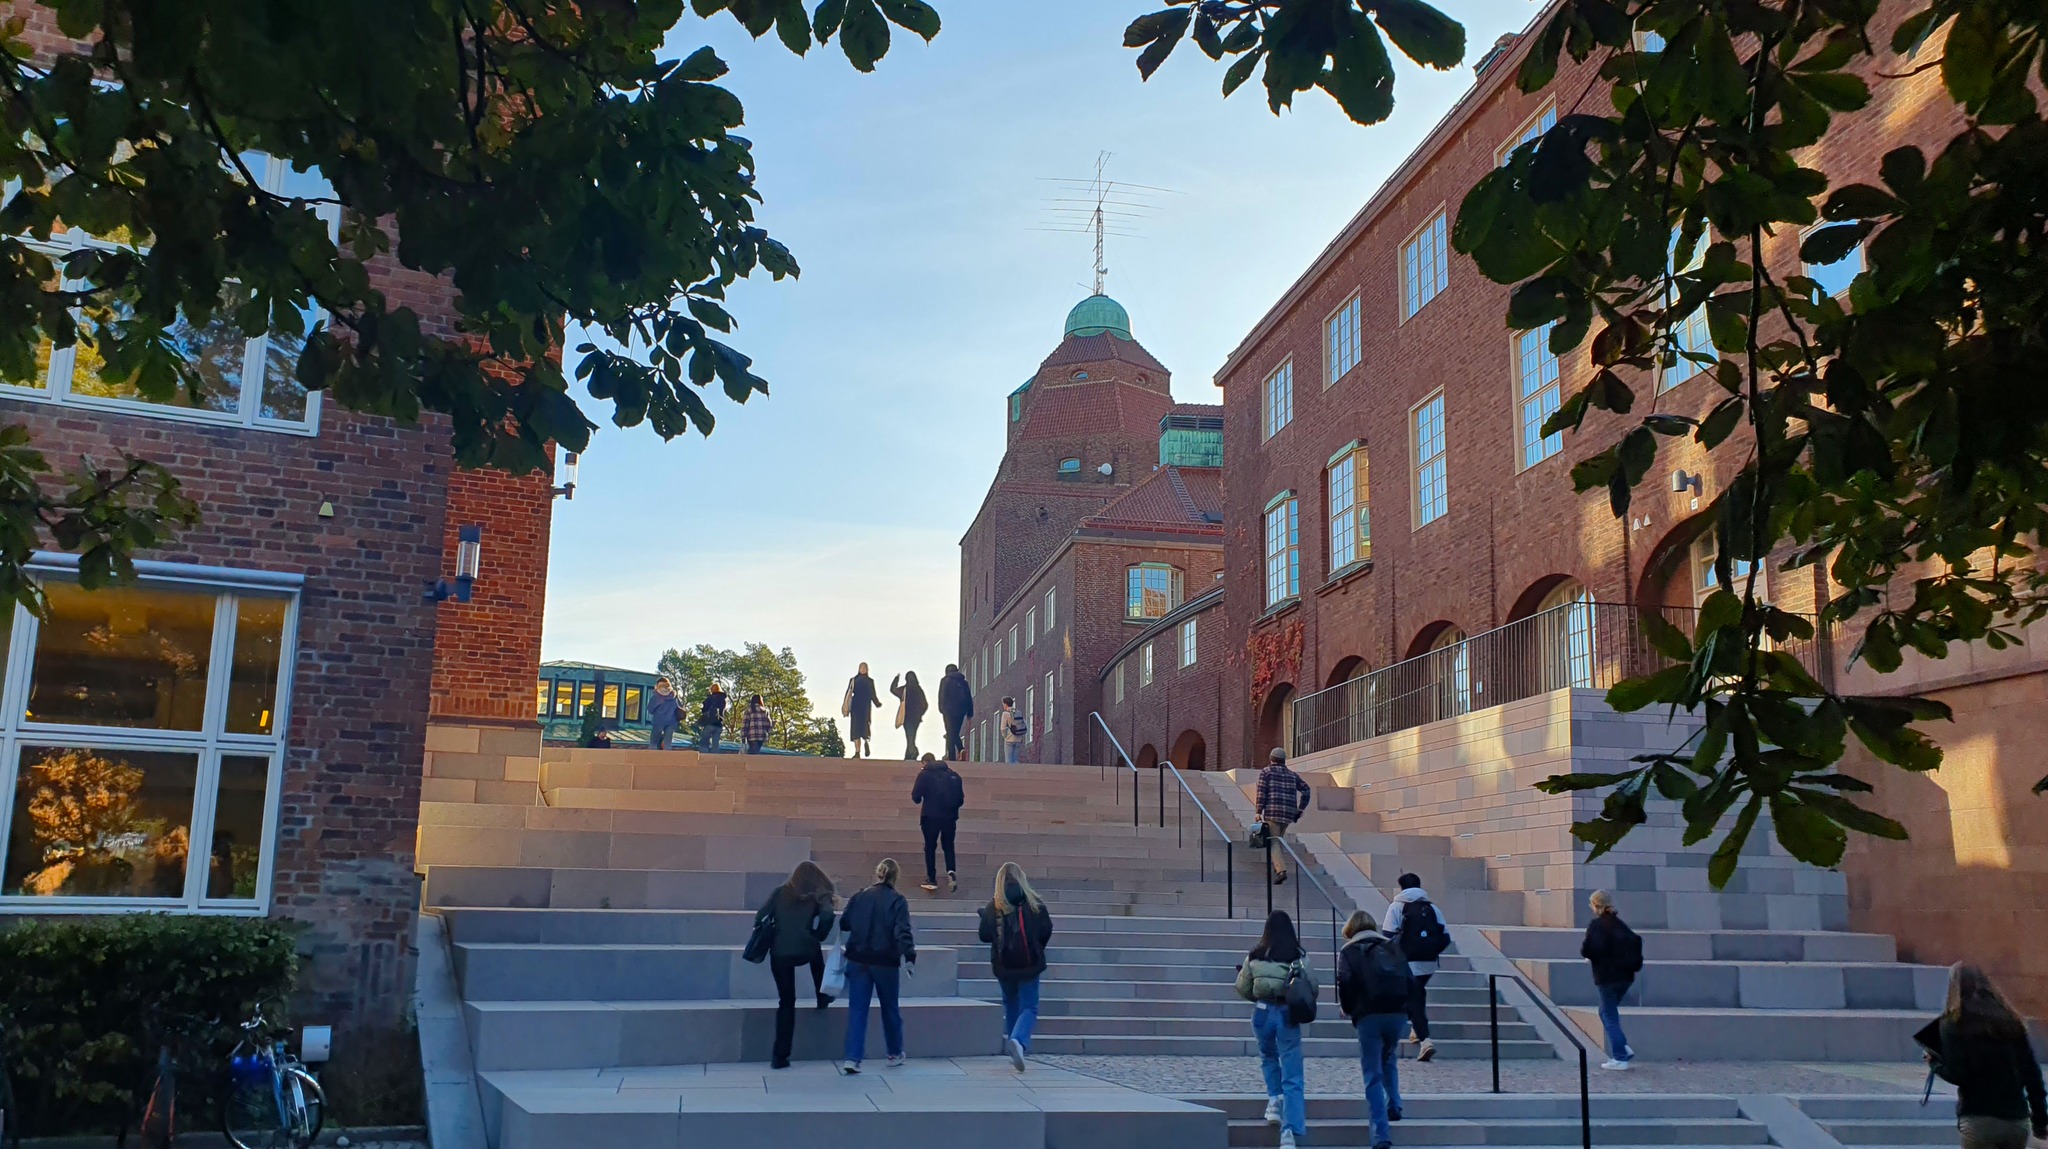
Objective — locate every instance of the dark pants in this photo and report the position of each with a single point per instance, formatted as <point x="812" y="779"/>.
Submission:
<point x="784" y="970"/>
<point x="664" y="734"/>
<point x="709" y="736"/>
<point x="910" y="738"/>
<point x="956" y="746"/>
<point x="754" y="745"/>
<point x="1418" y="1005"/>
<point x="937" y="833"/>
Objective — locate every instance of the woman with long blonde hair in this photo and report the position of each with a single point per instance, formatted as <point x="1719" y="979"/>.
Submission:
<point x="802" y="910"/>
<point x="1985" y="1053"/>
<point x="1016" y="926"/>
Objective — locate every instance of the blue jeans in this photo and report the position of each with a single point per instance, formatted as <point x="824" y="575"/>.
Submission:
<point x="1011" y="750"/>
<point x="1280" y="1061"/>
<point x="663" y="735"/>
<point x="1379" y="1057"/>
<point x="882" y="981"/>
<point x="709" y="735"/>
<point x="1020" y="1010"/>
<point x="1610" y="1019"/>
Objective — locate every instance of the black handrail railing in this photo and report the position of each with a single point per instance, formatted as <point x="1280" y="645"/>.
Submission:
<point x="1493" y="1028"/>
<point x="1302" y="870"/>
<point x="1181" y="796"/>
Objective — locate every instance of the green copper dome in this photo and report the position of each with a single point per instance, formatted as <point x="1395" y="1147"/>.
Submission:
<point x="1098" y="314"/>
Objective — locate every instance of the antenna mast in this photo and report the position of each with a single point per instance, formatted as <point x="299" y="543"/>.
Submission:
<point x="1100" y="190"/>
<point x="1099" y="207"/>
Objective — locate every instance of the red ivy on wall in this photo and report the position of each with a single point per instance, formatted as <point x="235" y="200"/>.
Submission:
<point x="1275" y="655"/>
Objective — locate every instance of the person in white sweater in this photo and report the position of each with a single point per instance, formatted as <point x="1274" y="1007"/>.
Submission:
<point x="1418" y="927"/>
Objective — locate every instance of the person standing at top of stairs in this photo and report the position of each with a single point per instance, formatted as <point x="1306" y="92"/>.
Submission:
<point x="956" y="706"/>
<point x="665" y="711"/>
<point x="711" y="720"/>
<point x="878" y="945"/>
<point x="910" y="707"/>
<point x="1010" y="724"/>
<point x="1282" y="799"/>
<point x="1417" y="926"/>
<point x="858" y="708"/>
<point x="940" y="791"/>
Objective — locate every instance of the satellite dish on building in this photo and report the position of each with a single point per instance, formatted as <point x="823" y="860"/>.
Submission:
<point x="1105" y="469"/>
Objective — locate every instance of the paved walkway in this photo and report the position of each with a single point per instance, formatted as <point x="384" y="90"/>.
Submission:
<point x="1175" y="1076"/>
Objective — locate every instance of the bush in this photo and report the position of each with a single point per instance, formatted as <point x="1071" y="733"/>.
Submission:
<point x="87" y="1002"/>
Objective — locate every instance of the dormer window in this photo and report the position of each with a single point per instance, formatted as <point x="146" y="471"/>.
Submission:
<point x="1080" y="376"/>
<point x="1070" y="466"/>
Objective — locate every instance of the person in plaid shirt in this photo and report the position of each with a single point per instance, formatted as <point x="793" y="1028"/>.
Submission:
<point x="1282" y="796"/>
<point x="755" y="725"/>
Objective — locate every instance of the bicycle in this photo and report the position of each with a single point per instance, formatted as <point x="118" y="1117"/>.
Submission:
<point x="272" y="1100"/>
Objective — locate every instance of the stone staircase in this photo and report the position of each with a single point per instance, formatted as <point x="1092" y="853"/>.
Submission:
<point x="1863" y="1121"/>
<point x="1505" y="1120"/>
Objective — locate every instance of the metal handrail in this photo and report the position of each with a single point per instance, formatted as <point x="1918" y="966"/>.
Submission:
<point x="1133" y="767"/>
<point x="1301" y="868"/>
<point x="1569" y="1031"/>
<point x="1186" y="793"/>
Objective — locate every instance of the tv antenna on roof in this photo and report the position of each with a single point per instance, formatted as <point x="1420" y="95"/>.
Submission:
<point x="1101" y="207"/>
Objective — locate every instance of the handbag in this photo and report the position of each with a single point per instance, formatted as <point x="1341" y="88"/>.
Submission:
<point x="762" y="939"/>
<point x="846" y="703"/>
<point x="1259" y="838"/>
<point x="1301" y="996"/>
<point x="834" y="983"/>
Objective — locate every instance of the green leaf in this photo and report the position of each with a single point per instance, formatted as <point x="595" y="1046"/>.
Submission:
<point x="1807" y="832"/>
<point x="1423" y="34"/>
<point x="1665" y="638"/>
<point x="1361" y="75"/>
<point x="1632" y="694"/>
<point x="1969" y="57"/>
<point x="1859" y="201"/>
<point x="864" y="37"/>
<point x="1720" y="422"/>
<point x="1722" y="865"/>
<point x="1163" y="40"/>
<point x="913" y="16"/>
<point x="1850" y="816"/>
<point x="1235" y="76"/>
<point x="1571" y="783"/>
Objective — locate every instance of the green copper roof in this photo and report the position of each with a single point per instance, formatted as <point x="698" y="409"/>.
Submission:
<point x="1098" y="314"/>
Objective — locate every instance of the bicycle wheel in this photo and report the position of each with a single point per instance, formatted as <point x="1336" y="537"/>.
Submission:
<point x="305" y="1106"/>
<point x="250" y="1114"/>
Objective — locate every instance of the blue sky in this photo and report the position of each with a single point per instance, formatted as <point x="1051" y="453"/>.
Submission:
<point x="827" y="516"/>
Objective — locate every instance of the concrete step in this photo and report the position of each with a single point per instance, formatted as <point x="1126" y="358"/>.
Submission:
<point x="1058" y="987"/>
<point x="600" y="849"/>
<point x="544" y="886"/>
<point x="1333" y="1026"/>
<point x="1664" y="1034"/>
<point x="1528" y="1131"/>
<point x="1926" y="1131"/>
<point x="493" y="971"/>
<point x="1753" y="985"/>
<point x="1485" y="1107"/>
<point x="583" y="1034"/>
<point x="1381" y="843"/>
<point x="649" y="771"/>
<point x="1122" y="1045"/>
<point x="676" y="801"/>
<point x="1438" y="872"/>
<point x="1708" y="945"/>
<point x="500" y="817"/>
<point x="1439" y="1013"/>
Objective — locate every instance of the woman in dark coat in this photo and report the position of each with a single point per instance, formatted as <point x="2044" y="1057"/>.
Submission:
<point x="862" y="700"/>
<point x="803" y="908"/>
<point x="1984" y="1053"/>
<point x="911" y="712"/>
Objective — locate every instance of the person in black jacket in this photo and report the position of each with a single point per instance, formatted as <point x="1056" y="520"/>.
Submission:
<point x="1016" y="926"/>
<point x="803" y="918"/>
<point x="1984" y="1052"/>
<point x="1374" y="987"/>
<point x="941" y="792"/>
<point x="1616" y="954"/>
<point x="956" y="706"/>
<point x="862" y="700"/>
<point x="910" y="707"/>
<point x="878" y="944"/>
<point x="711" y="721"/>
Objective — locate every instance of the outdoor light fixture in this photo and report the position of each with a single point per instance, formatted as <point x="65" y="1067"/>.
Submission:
<point x="568" y="488"/>
<point x="469" y="557"/>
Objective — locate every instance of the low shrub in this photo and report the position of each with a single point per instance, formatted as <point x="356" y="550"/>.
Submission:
<point x="87" y="1002"/>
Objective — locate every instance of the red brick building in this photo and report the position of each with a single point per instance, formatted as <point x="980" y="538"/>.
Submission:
<point x="259" y="699"/>
<point x="1105" y="514"/>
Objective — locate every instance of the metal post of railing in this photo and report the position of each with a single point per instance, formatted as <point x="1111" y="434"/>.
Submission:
<point x="1585" y="1104"/>
<point x="1267" y="874"/>
<point x="1493" y="1024"/>
<point x="1162" y="796"/>
<point x="1134" y="797"/>
<point x="1229" y="878"/>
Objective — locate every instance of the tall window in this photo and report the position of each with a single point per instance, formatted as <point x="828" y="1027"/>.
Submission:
<point x="1572" y="633"/>
<point x="1151" y="590"/>
<point x="242" y="381"/>
<point x="1425" y="265"/>
<point x="1030" y="711"/>
<point x="1283" y="550"/>
<point x="1031" y="627"/>
<point x="1531" y="131"/>
<point x="1051" y="599"/>
<point x="1279" y="398"/>
<point x="635" y="696"/>
<point x="1145" y="666"/>
<point x="1432" y="467"/>
<point x="1350" y="509"/>
<point x="1455" y="667"/>
<point x="1691" y="333"/>
<point x="546" y="689"/>
<point x="586" y="696"/>
<point x="1187" y="643"/>
<point x="1119" y="682"/>
<point x="144" y="719"/>
<point x="1706" y="579"/>
<point x="565" y="698"/>
<point x="1341" y="347"/>
<point x="1537" y="394"/>
<point x="611" y="700"/>
<point x="1048" y="700"/>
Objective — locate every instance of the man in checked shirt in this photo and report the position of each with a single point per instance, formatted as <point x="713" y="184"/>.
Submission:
<point x="1282" y="797"/>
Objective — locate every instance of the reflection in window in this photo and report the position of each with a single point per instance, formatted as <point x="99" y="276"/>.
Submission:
<point x="252" y="680"/>
<point x="97" y="823"/>
<point x="238" y="803"/>
<point x="611" y="700"/>
<point x="565" y="698"/>
<point x="540" y="706"/>
<point x="634" y="696"/>
<point x="586" y="696"/>
<point x="122" y="656"/>
<point x="1152" y="590"/>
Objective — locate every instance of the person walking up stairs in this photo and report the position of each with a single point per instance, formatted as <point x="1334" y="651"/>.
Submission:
<point x="1418" y="928"/>
<point x="800" y="911"/>
<point x="879" y="945"/>
<point x="1373" y="990"/>
<point x="1282" y="799"/>
<point x="1264" y="979"/>
<point x="941" y="792"/>
<point x="1017" y="927"/>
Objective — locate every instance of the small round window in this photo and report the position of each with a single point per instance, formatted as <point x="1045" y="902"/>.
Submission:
<point x="1081" y="375"/>
<point x="1070" y="466"/>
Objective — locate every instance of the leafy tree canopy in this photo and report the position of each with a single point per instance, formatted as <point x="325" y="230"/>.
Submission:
<point x="753" y="669"/>
<point x="1897" y="438"/>
<point x="545" y="158"/>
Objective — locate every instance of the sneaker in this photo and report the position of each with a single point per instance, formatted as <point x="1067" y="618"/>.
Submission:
<point x="928" y="886"/>
<point x="1280" y="879"/>
<point x="1393" y="1113"/>
<point x="779" y="1063"/>
<point x="1016" y="1052"/>
<point x="1427" y="1051"/>
<point x="1413" y="1038"/>
<point x="1272" y="1111"/>
<point x="849" y="1068"/>
<point x="1614" y="1063"/>
<point x="825" y="999"/>
<point x="1287" y="1139"/>
<point x="952" y="883"/>
<point x="895" y="1061"/>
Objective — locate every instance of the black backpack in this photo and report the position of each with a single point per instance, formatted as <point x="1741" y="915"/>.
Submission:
<point x="1019" y="951"/>
<point x="1423" y="936"/>
<point x="1301" y="996"/>
<point x="1383" y="978"/>
<point x="956" y="789"/>
<point x="1628" y="949"/>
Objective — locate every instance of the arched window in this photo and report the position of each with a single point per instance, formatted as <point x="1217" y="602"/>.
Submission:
<point x="1567" y="613"/>
<point x="1454" y="670"/>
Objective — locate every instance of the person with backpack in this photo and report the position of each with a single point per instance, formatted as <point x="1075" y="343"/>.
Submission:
<point x="1016" y="926"/>
<point x="1373" y="989"/>
<point x="800" y="913"/>
<point x="1282" y="799"/>
<point x="1616" y="954"/>
<point x="941" y="792"/>
<point x="711" y="721"/>
<point x="1010" y="723"/>
<point x="878" y="945"/>
<point x="1273" y="977"/>
<point x="1418" y="928"/>
<point x="1980" y="1046"/>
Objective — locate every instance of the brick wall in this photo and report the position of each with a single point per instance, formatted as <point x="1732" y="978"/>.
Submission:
<point x="1179" y="717"/>
<point x="487" y="652"/>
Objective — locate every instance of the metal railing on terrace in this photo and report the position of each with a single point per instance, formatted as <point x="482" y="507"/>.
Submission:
<point x="1590" y="645"/>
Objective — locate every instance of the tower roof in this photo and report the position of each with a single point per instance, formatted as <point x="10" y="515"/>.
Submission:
<point x="1098" y="315"/>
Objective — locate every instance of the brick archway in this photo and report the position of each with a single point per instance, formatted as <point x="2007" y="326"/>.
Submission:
<point x="1347" y="668"/>
<point x="1190" y="752"/>
<point x="1274" y="728"/>
<point x="1148" y="757"/>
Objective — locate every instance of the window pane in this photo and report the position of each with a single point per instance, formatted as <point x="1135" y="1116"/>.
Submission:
<point x="1834" y="278"/>
<point x="122" y="656"/>
<point x="283" y="397"/>
<point x="237" y="826"/>
<point x="633" y="700"/>
<point x="252" y="680"/>
<point x="611" y="700"/>
<point x="100" y="823"/>
<point x="586" y="696"/>
<point x="565" y="697"/>
<point x="216" y="351"/>
<point x="540" y="707"/>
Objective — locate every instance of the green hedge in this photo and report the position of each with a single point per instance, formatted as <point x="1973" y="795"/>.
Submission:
<point x="86" y="1002"/>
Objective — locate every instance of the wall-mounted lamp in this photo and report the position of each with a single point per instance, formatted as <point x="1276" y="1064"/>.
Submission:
<point x="1681" y="481"/>
<point x="568" y="488"/>
<point x="469" y="558"/>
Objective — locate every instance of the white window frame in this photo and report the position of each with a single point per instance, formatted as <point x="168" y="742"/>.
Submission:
<point x="1350" y="516"/>
<point x="1031" y="627"/>
<point x="1120" y="681"/>
<point x="1050" y="691"/>
<point x="1425" y="270"/>
<point x="1533" y="128"/>
<point x="1145" y="666"/>
<point x="1691" y="333"/>
<point x="1051" y="614"/>
<point x="1276" y="399"/>
<point x="1030" y="712"/>
<point x="61" y="369"/>
<point x="1343" y="340"/>
<point x="1283" y="549"/>
<point x="210" y="743"/>
<point x="1429" y="460"/>
<point x="1539" y="391"/>
<point x="1187" y="643"/>
<point x="1176" y="590"/>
